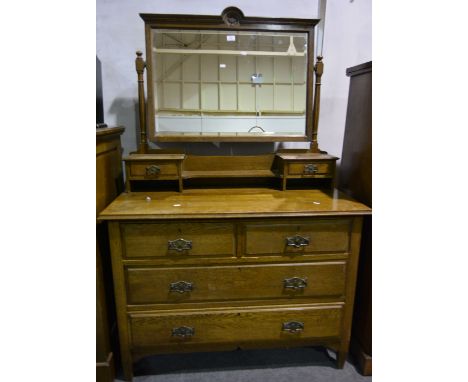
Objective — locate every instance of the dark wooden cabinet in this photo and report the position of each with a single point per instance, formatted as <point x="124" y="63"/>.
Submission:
<point x="109" y="183"/>
<point x="355" y="179"/>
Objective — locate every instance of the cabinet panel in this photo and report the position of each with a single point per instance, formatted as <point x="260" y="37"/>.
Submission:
<point x="303" y="168"/>
<point x="140" y="169"/>
<point x="201" y="239"/>
<point x="247" y="282"/>
<point x="234" y="326"/>
<point x="318" y="236"/>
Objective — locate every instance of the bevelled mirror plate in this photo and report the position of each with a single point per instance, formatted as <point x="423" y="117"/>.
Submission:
<point x="218" y="83"/>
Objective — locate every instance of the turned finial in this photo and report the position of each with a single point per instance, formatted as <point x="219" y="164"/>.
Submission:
<point x="140" y="68"/>
<point x="139" y="62"/>
<point x="319" y="66"/>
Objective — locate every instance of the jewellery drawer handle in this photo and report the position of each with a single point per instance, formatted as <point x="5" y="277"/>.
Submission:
<point x="181" y="287"/>
<point x="153" y="170"/>
<point x="297" y="241"/>
<point x="179" y="245"/>
<point x="310" y="169"/>
<point x="183" y="331"/>
<point x="293" y="326"/>
<point x="295" y="283"/>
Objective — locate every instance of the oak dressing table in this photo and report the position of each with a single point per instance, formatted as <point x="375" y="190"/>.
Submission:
<point x="227" y="252"/>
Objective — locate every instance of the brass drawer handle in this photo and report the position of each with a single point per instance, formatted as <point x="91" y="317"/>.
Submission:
<point x="295" y="283"/>
<point x="153" y="170"/>
<point x="181" y="287"/>
<point x="293" y="326"/>
<point x="183" y="331"/>
<point x="297" y="241"/>
<point x="179" y="245"/>
<point x="310" y="169"/>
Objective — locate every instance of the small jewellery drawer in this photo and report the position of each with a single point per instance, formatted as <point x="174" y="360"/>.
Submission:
<point x="327" y="235"/>
<point x="170" y="330"/>
<point x="247" y="282"/>
<point x="309" y="168"/>
<point x="174" y="239"/>
<point x="153" y="170"/>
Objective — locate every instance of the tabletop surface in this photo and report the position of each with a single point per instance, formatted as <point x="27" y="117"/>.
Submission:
<point x="231" y="203"/>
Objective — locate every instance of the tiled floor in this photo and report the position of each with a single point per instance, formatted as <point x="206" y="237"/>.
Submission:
<point x="290" y="365"/>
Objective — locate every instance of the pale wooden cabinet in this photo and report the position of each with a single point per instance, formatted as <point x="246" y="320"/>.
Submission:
<point x="228" y="269"/>
<point x="224" y="252"/>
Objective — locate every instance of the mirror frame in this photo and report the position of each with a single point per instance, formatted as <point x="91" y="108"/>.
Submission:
<point x="231" y="19"/>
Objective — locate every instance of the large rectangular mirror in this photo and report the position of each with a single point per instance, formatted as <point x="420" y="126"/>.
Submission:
<point x="229" y="84"/>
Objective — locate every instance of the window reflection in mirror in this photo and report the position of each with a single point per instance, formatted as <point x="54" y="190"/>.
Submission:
<point x="231" y="83"/>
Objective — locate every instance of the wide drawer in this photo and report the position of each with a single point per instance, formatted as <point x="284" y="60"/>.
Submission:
<point x="177" y="240"/>
<point x="247" y="282"/>
<point x="171" y="330"/>
<point x="153" y="169"/>
<point x="327" y="235"/>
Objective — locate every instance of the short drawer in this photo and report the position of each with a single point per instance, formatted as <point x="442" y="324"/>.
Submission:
<point x="173" y="239"/>
<point x="242" y="326"/>
<point x="309" y="168"/>
<point x="153" y="170"/>
<point x="247" y="282"/>
<point x="327" y="235"/>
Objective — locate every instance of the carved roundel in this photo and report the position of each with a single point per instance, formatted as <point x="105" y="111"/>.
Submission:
<point x="232" y="16"/>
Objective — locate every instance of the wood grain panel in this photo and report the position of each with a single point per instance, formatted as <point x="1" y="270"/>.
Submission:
<point x="229" y="202"/>
<point x="228" y="163"/>
<point x="234" y="326"/>
<point x="299" y="168"/>
<point x="109" y="183"/>
<point x="151" y="240"/>
<point x="323" y="235"/>
<point x="355" y="179"/>
<point x="109" y="174"/>
<point x="249" y="282"/>
<point x="138" y="169"/>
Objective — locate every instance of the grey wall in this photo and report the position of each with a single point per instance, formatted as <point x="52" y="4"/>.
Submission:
<point x="348" y="42"/>
<point x="120" y="32"/>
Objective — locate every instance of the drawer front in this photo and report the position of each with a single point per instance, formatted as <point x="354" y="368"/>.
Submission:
<point x="282" y="239"/>
<point x="153" y="170"/>
<point x="221" y="283"/>
<point x="178" y="240"/>
<point x="309" y="168"/>
<point x="234" y="326"/>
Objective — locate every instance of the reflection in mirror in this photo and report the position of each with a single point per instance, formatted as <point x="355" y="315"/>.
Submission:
<point x="229" y="83"/>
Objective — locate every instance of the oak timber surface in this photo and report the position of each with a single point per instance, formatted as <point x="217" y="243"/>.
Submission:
<point x="103" y="131"/>
<point x="109" y="183"/>
<point x="149" y="285"/>
<point x="222" y="203"/>
<point x="146" y="157"/>
<point x="305" y="156"/>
